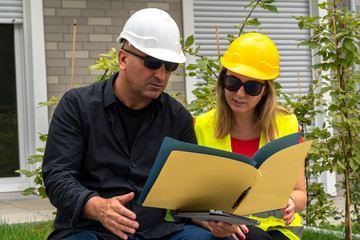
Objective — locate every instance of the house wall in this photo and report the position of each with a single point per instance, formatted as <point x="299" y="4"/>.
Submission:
<point x="98" y="24"/>
<point x="357" y="5"/>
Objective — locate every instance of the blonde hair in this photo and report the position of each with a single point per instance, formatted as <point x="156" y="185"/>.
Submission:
<point x="266" y="111"/>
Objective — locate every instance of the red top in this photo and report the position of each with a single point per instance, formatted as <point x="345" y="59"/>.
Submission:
<point x="248" y="147"/>
<point x="245" y="147"/>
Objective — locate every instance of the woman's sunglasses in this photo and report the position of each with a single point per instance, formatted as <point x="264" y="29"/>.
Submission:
<point x="154" y="63"/>
<point x="233" y="84"/>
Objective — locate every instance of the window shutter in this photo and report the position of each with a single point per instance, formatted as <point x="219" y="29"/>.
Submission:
<point x="11" y="11"/>
<point x="281" y="27"/>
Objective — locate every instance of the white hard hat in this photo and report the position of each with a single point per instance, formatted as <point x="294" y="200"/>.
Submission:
<point x="155" y="33"/>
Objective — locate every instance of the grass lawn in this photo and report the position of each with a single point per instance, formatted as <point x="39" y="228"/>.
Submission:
<point x="312" y="235"/>
<point x="23" y="231"/>
<point x="26" y="231"/>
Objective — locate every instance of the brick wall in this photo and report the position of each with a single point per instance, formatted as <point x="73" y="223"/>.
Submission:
<point x="99" y="23"/>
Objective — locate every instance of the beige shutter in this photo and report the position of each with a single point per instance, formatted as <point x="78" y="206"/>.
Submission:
<point x="280" y="27"/>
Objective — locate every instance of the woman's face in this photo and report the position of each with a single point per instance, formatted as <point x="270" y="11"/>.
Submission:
<point x="240" y="101"/>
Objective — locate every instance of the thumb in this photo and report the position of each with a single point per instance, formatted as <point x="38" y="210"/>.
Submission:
<point x="126" y="198"/>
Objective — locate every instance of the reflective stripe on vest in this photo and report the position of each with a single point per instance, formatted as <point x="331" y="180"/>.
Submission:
<point x="293" y="231"/>
<point x="287" y="124"/>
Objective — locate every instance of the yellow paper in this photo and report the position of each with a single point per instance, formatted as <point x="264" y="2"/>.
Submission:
<point x="193" y="181"/>
<point x="279" y="175"/>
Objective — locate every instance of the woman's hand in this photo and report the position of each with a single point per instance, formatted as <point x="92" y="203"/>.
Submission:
<point x="241" y="230"/>
<point x="288" y="212"/>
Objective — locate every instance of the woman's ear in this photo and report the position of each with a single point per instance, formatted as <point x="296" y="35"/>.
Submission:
<point x="122" y="59"/>
<point x="266" y="89"/>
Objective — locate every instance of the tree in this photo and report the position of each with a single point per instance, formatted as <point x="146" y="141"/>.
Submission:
<point x="335" y="38"/>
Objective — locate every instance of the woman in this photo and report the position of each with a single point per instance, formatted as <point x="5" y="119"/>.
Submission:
<point x="247" y="117"/>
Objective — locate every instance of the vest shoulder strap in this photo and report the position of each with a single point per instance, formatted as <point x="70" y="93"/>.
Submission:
<point x="205" y="132"/>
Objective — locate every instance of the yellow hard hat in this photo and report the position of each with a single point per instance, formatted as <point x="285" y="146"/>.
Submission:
<point x="253" y="55"/>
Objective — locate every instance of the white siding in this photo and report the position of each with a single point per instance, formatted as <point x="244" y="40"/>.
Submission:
<point x="11" y="11"/>
<point x="280" y="27"/>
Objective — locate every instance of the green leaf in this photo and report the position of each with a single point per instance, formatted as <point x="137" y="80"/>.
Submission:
<point x="189" y="41"/>
<point x="191" y="67"/>
<point x="28" y="191"/>
<point x="348" y="43"/>
<point x="40" y="150"/>
<point x="341" y="165"/>
<point x="25" y="172"/>
<point x="35" y="158"/>
<point x="313" y="45"/>
<point x="42" y="192"/>
<point x="230" y="37"/>
<point x="254" y="22"/>
<point x="301" y="25"/>
<point x="202" y="64"/>
<point x="168" y="217"/>
<point x="191" y="74"/>
<point x="272" y="8"/>
<point x="333" y="108"/>
<point x="43" y="137"/>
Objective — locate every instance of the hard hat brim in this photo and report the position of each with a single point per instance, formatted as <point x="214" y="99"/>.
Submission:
<point x="162" y="54"/>
<point x="248" y="71"/>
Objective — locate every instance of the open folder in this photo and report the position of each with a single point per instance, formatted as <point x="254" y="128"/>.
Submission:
<point x="195" y="179"/>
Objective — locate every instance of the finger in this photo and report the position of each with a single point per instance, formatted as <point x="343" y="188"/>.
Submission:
<point x="290" y="220"/>
<point x="123" y="211"/>
<point x="118" y="217"/>
<point x="125" y="218"/>
<point x="126" y="198"/>
<point x="118" y="206"/>
<point x="244" y="228"/>
<point x="120" y="234"/>
<point x="211" y="223"/>
<point x="118" y="229"/>
<point x="287" y="210"/>
<point x="240" y="233"/>
<point x="235" y="237"/>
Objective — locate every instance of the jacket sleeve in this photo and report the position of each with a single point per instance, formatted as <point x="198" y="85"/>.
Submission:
<point x="65" y="149"/>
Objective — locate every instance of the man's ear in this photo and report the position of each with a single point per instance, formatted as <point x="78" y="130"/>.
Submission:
<point x="122" y="59"/>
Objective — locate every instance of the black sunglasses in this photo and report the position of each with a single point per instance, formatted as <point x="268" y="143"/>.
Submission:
<point x="233" y="84"/>
<point x="154" y="63"/>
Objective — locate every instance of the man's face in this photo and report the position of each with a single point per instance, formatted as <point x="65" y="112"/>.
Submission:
<point x="142" y="82"/>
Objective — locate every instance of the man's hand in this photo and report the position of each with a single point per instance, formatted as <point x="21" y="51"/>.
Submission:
<point x="112" y="214"/>
<point x="221" y="229"/>
<point x="288" y="212"/>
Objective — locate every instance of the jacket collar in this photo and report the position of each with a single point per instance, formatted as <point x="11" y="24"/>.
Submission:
<point x="110" y="97"/>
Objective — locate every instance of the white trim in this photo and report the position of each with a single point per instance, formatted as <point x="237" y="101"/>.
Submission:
<point x="188" y="23"/>
<point x="38" y="67"/>
<point x="327" y="178"/>
<point x="35" y="69"/>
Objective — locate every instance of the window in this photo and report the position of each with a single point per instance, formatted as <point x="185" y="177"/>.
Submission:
<point x="9" y="144"/>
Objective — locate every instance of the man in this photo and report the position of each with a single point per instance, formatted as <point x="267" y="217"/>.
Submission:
<point x="103" y="140"/>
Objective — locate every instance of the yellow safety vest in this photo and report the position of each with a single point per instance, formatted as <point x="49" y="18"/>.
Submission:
<point x="286" y="124"/>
